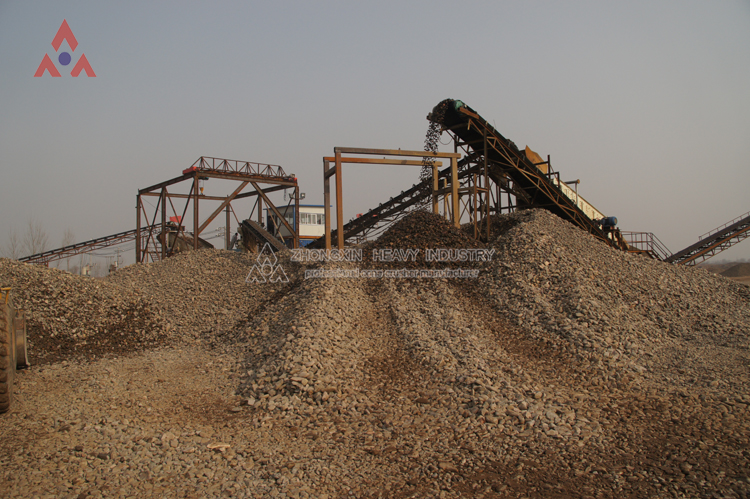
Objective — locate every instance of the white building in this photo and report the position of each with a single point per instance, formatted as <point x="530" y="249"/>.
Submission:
<point x="311" y="223"/>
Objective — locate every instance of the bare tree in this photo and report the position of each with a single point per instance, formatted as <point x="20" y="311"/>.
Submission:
<point x="35" y="240"/>
<point x="68" y="239"/>
<point x="13" y="248"/>
<point x="97" y="269"/>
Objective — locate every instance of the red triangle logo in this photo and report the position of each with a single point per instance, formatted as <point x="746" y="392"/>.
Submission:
<point x="83" y="64"/>
<point x="64" y="33"/>
<point x="46" y="65"/>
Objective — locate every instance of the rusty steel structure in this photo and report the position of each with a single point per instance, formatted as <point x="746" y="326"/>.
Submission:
<point x="45" y="257"/>
<point x="507" y="170"/>
<point x="714" y="241"/>
<point x="492" y="176"/>
<point x="373" y="223"/>
<point x="396" y="157"/>
<point x="165" y="223"/>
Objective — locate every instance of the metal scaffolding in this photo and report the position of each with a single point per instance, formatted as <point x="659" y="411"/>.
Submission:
<point x="166" y="232"/>
<point x="338" y="160"/>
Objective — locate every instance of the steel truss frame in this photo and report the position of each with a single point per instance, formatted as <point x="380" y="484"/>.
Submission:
<point x="70" y="250"/>
<point x="262" y="178"/>
<point x="714" y="241"/>
<point x="338" y="160"/>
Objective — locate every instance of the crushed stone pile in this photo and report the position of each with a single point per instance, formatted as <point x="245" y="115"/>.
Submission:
<point x="739" y="270"/>
<point x="420" y="230"/>
<point x="562" y="343"/>
<point x="565" y="369"/>
<point x="200" y="293"/>
<point x="618" y="309"/>
<point x="70" y="315"/>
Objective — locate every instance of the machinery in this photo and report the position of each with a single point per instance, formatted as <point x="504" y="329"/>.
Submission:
<point x="13" y="354"/>
<point x="176" y="240"/>
<point x="253" y="237"/>
<point x="608" y="224"/>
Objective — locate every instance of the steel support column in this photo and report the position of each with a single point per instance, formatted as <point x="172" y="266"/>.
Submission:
<point x="327" y="203"/>
<point x="138" y="228"/>
<point x="227" y="239"/>
<point x="163" y="202"/>
<point x="456" y="214"/>
<point x="435" y="188"/>
<point x="339" y="204"/>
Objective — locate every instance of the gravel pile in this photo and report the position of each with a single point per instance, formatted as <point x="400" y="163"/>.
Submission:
<point x="196" y="292"/>
<point x="739" y="270"/>
<point x="75" y="316"/>
<point x="565" y="369"/>
<point x="616" y="309"/>
<point x="420" y="230"/>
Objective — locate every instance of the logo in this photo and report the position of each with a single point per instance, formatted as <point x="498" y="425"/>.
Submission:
<point x="64" y="58"/>
<point x="266" y="268"/>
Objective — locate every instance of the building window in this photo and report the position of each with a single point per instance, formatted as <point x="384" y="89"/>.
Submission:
<point x="312" y="218"/>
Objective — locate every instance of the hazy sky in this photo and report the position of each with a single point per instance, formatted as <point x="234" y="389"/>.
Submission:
<point x="648" y="103"/>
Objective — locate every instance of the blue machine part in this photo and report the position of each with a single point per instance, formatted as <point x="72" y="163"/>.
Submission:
<point x="607" y="222"/>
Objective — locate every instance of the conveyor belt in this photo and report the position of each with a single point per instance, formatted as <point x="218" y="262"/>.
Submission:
<point x="86" y="247"/>
<point x="714" y="242"/>
<point x="532" y="186"/>
<point x="261" y="235"/>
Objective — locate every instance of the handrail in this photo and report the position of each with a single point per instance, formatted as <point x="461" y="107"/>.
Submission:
<point x="647" y="241"/>
<point x="722" y="227"/>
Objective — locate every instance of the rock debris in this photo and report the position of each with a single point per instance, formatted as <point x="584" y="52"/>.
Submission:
<point x="565" y="368"/>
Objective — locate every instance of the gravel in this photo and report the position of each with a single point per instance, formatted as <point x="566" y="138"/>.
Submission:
<point x="70" y="315"/>
<point x="565" y="369"/>
<point x="738" y="270"/>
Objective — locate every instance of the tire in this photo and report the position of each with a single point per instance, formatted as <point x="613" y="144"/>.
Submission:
<point x="22" y="356"/>
<point x="7" y="351"/>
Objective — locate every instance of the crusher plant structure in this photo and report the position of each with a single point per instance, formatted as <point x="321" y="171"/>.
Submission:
<point x="168" y="233"/>
<point x="488" y="175"/>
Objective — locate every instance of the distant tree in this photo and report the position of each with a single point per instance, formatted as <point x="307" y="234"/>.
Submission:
<point x="13" y="248"/>
<point x="35" y="240"/>
<point x="68" y="239"/>
<point x="94" y="269"/>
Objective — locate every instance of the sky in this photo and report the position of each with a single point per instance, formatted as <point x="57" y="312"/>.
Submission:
<point x="646" y="102"/>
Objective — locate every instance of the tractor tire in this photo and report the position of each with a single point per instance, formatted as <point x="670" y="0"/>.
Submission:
<point x="22" y="355"/>
<point x="7" y="351"/>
